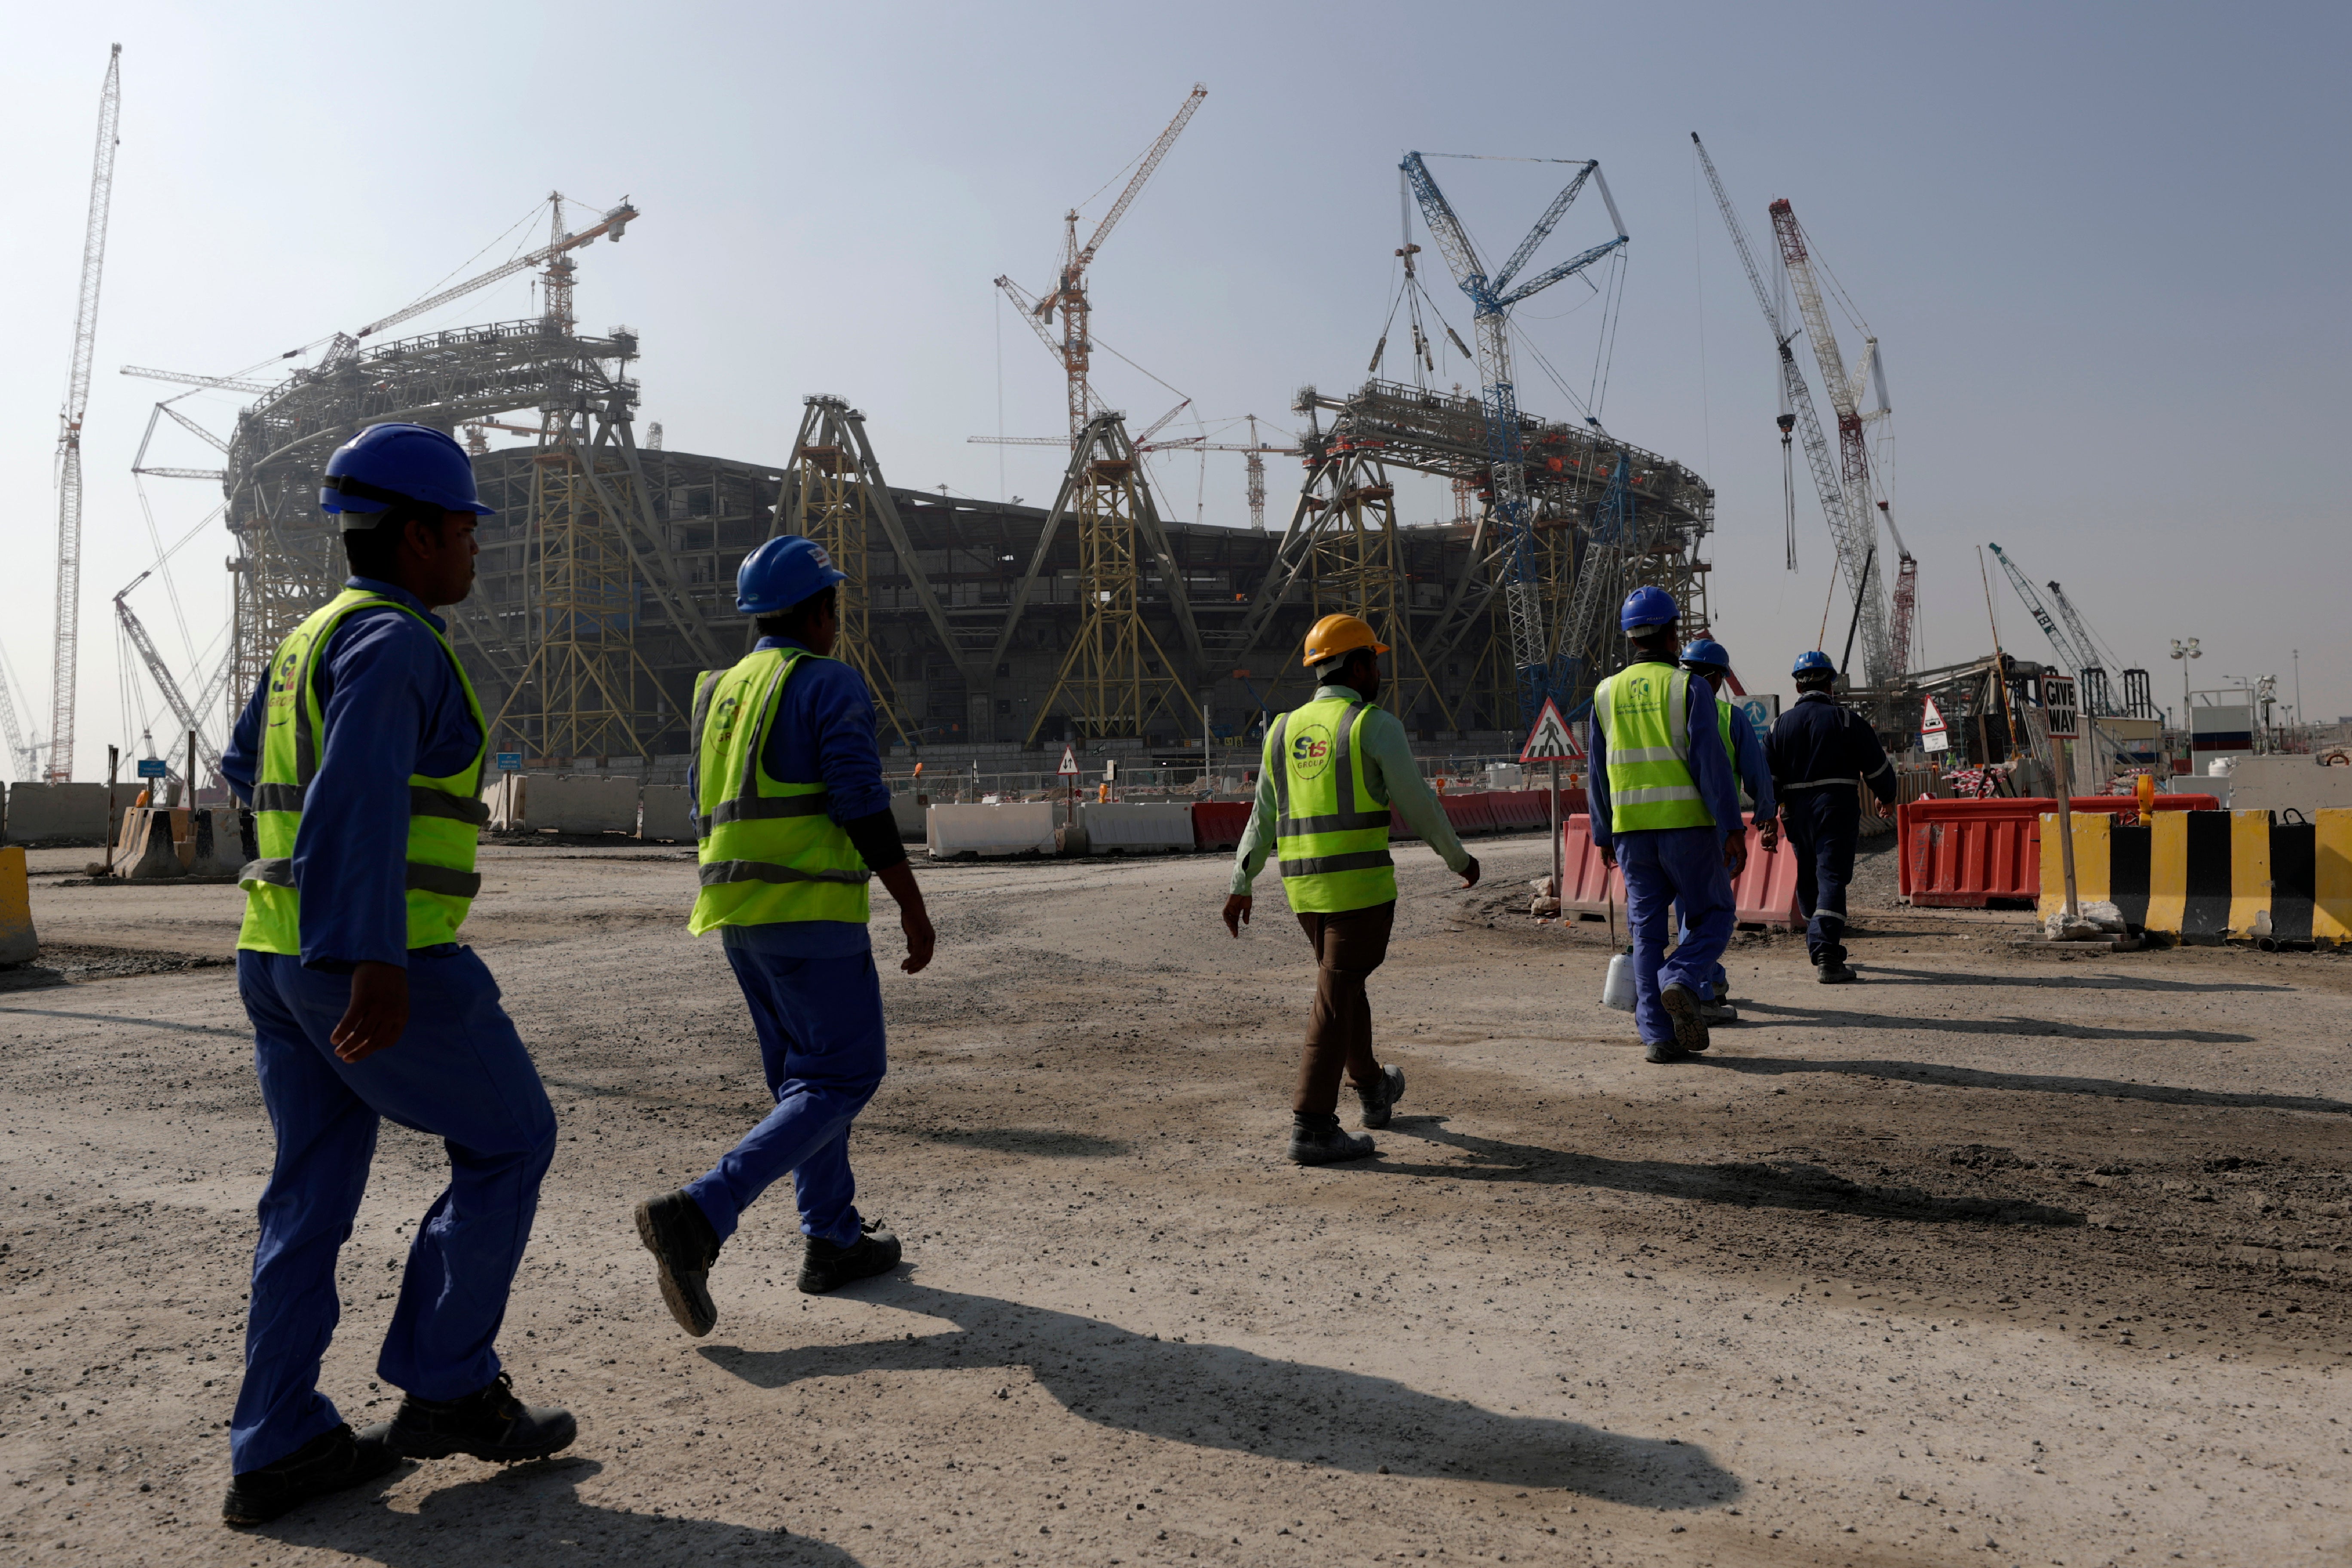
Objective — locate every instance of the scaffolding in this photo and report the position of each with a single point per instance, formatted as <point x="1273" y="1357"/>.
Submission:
<point x="1354" y="568"/>
<point x="836" y="496"/>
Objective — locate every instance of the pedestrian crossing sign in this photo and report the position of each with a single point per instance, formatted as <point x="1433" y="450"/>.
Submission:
<point x="1551" y="741"/>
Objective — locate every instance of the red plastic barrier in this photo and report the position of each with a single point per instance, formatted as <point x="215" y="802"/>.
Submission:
<point x="1764" y="893"/>
<point x="1963" y="853"/>
<point x="1520" y="811"/>
<point x="1468" y="813"/>
<point x="1218" y="823"/>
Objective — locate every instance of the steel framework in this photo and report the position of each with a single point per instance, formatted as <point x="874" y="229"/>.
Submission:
<point x="836" y="497"/>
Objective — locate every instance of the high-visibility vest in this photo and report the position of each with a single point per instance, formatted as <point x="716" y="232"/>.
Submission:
<point x="1331" y="834"/>
<point x="768" y="851"/>
<point x="1645" y="716"/>
<point x="445" y="814"/>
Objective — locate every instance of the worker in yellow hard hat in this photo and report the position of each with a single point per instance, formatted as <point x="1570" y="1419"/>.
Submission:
<point x="1333" y="770"/>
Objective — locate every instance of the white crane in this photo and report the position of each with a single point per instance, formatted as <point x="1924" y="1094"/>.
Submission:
<point x="66" y="656"/>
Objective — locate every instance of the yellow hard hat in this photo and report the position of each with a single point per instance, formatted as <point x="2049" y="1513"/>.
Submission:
<point x="1336" y="635"/>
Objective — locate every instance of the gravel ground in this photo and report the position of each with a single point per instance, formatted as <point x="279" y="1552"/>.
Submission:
<point x="1994" y="1257"/>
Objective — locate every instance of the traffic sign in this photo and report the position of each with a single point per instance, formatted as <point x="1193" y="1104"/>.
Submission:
<point x="2058" y="705"/>
<point x="1933" y="731"/>
<point x="1549" y="740"/>
<point x="1761" y="713"/>
<point x="509" y="762"/>
<point x="153" y="768"/>
<point x="1069" y="768"/>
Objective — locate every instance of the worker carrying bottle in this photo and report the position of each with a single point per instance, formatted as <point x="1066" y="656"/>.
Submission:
<point x="793" y="821"/>
<point x="1666" y="812"/>
<point x="361" y="756"/>
<point x="1822" y="755"/>
<point x="1332" y="770"/>
<point x="1711" y="662"/>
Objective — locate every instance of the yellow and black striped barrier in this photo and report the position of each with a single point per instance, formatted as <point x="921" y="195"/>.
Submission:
<point x="2213" y="876"/>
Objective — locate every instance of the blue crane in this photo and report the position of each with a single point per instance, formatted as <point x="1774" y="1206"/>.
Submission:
<point x="1491" y="299"/>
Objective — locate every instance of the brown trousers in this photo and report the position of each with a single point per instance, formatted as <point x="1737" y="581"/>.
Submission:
<point x="1347" y="947"/>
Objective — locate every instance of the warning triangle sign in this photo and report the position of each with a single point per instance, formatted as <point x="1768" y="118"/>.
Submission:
<point x="1931" y="719"/>
<point x="1550" y="740"/>
<point x="1069" y="768"/>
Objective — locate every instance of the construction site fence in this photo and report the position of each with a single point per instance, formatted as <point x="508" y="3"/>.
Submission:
<point x="1970" y="854"/>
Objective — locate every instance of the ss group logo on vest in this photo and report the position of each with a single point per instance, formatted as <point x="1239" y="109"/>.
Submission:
<point x="1310" y="750"/>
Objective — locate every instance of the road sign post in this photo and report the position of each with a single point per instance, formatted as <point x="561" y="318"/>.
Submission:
<point x="2058" y="717"/>
<point x="1550" y="742"/>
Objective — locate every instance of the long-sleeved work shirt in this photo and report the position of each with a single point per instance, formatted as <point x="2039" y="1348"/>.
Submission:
<point x="1817" y="744"/>
<point x="1710" y="768"/>
<point x="1749" y="765"/>
<point x="392" y="706"/>
<point x="1391" y="777"/>
<point x="824" y="733"/>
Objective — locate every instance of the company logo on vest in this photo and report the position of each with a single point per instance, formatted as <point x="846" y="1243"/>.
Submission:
<point x="1310" y="750"/>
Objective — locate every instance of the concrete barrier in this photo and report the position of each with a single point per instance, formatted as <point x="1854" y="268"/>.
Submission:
<point x="2289" y="783"/>
<point x="1963" y="853"/>
<point x="667" y="814"/>
<point x="18" y="942"/>
<point x="2211" y="876"/>
<point x="1024" y="828"/>
<point x="584" y="803"/>
<point x="48" y="813"/>
<point x="1129" y="827"/>
<point x="907" y="811"/>
<point x="508" y="797"/>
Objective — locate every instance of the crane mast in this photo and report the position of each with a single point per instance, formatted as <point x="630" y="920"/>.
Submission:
<point x="1490" y="302"/>
<point x="67" y="656"/>
<point x="1854" y="450"/>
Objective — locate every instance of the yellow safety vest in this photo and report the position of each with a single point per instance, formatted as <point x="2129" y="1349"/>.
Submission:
<point x="768" y="851"/>
<point x="1330" y="831"/>
<point x="445" y="814"/>
<point x="1645" y="716"/>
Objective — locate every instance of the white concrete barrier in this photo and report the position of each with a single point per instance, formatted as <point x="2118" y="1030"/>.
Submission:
<point x="1026" y="828"/>
<point x="1131" y="827"/>
<point x="50" y="811"/>
<point x="907" y="811"/>
<point x="584" y="803"/>
<point x="668" y="813"/>
<point x="507" y="796"/>
<point x="2280" y="782"/>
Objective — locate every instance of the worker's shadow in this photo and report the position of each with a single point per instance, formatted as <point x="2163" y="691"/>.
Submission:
<point x="528" y="1516"/>
<point x="1980" y="1023"/>
<point x="1215" y="1396"/>
<point x="1948" y="1076"/>
<point x="1785" y="1184"/>
<point x="1882" y="974"/>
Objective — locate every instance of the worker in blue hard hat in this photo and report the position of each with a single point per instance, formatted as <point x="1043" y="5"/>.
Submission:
<point x="1822" y="756"/>
<point x="794" y="822"/>
<point x="1711" y="662"/>
<point x="361" y="755"/>
<point x="1665" y="810"/>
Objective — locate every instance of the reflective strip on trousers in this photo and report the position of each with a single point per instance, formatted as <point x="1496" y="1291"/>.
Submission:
<point x="279" y="872"/>
<point x="1362" y="860"/>
<point x="1817" y="784"/>
<point x="718" y="873"/>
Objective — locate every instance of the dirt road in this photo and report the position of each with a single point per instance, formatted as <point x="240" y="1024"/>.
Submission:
<point x="1989" y="1259"/>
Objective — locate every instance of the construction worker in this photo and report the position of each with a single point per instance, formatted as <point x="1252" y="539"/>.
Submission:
<point x="1711" y="662"/>
<point x="360" y="757"/>
<point x="795" y="823"/>
<point x="1665" y="810"/>
<point x="1332" y="770"/>
<point x="1820" y="755"/>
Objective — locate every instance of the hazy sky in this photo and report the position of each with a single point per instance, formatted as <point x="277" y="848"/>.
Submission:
<point x="2102" y="247"/>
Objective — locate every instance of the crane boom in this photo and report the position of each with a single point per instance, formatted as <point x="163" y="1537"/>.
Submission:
<point x="161" y="674"/>
<point x="2093" y="670"/>
<point x="20" y="756"/>
<point x="1151" y="162"/>
<point x="65" y="662"/>
<point x="181" y="378"/>
<point x="2069" y="656"/>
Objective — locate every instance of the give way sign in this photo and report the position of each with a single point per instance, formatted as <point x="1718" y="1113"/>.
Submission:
<point x="1550" y="740"/>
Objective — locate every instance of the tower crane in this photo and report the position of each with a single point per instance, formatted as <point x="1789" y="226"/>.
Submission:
<point x="1491" y="299"/>
<point x="67" y="656"/>
<point x="1882" y="654"/>
<point x="161" y="673"/>
<point x="1076" y="348"/>
<point x="2097" y="698"/>
<point x="2069" y="656"/>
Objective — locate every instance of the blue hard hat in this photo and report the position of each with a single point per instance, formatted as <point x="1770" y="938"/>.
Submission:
<point x="782" y="573"/>
<point x="1706" y="653"/>
<point x="1814" y="663"/>
<point x="1648" y="610"/>
<point x="384" y="464"/>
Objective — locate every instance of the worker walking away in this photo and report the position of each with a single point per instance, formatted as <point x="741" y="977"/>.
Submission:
<point x="1332" y="770"/>
<point x="1711" y="662"/>
<point x="1666" y="812"/>
<point x="794" y="822"/>
<point x="1821" y="756"/>
<point x="361" y="757"/>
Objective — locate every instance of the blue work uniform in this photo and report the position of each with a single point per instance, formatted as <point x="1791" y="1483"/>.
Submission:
<point x="1747" y="764"/>
<point x="1670" y="868"/>
<point x="815" y="994"/>
<point x="1821" y="755"/>
<point x="393" y="707"/>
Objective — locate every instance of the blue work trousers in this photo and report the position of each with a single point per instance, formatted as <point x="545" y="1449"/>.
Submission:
<point x="1823" y="824"/>
<point x="1682" y="868"/>
<point x="821" y="1042"/>
<point x="459" y="1073"/>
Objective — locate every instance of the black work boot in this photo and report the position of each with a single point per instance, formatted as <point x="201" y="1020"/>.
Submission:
<point x="1831" y="968"/>
<point x="827" y="1266"/>
<point x="1319" y="1141"/>
<point x="1381" y="1095"/>
<point x="489" y="1424"/>
<point x="1683" y="1005"/>
<point x="330" y="1462"/>
<point x="676" y="1232"/>
<point x="1663" y="1051"/>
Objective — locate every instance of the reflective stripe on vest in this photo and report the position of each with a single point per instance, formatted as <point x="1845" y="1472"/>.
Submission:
<point x="1644" y="711"/>
<point x="445" y="814"/>
<point x="1330" y="833"/>
<point x="769" y="853"/>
